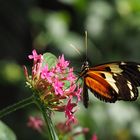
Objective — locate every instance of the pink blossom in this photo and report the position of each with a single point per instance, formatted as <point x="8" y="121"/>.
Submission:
<point x="47" y="74"/>
<point x="35" y="56"/>
<point x="77" y="93"/>
<point x="69" y="113"/>
<point x="94" y="137"/>
<point x="71" y="89"/>
<point x="58" y="86"/>
<point x="62" y="64"/>
<point x="35" y="123"/>
<point x="71" y="77"/>
<point x="37" y="63"/>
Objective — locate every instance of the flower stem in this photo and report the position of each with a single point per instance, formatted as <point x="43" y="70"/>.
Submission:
<point x="21" y="104"/>
<point x="50" y="126"/>
<point x="46" y="114"/>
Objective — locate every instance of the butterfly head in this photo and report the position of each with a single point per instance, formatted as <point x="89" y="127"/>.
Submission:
<point x="84" y="67"/>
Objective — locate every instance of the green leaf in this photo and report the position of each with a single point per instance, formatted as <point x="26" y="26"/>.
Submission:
<point x="6" y="133"/>
<point x="49" y="59"/>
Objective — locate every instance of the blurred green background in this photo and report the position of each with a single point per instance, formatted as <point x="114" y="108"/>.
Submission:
<point x="51" y="26"/>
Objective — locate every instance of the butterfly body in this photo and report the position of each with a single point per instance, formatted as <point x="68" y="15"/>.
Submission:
<point x="111" y="81"/>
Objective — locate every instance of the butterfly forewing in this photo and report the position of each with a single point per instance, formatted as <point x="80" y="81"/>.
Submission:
<point x="114" y="81"/>
<point x="99" y="86"/>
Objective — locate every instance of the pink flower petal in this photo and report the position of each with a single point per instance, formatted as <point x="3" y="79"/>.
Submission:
<point x="58" y="86"/>
<point x="78" y="93"/>
<point x="69" y="113"/>
<point x="94" y="137"/>
<point x="62" y="64"/>
<point x="71" y="77"/>
<point x="47" y="74"/>
<point x="35" y="56"/>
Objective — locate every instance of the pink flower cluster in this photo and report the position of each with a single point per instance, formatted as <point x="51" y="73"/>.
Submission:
<point x="57" y="85"/>
<point x="36" y="123"/>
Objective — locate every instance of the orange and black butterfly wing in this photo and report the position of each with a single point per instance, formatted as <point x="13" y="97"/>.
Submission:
<point x="114" y="81"/>
<point x="126" y="76"/>
<point x="127" y="87"/>
<point x="99" y="86"/>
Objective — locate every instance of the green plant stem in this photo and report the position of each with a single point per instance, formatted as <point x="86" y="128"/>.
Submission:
<point x="21" y="104"/>
<point x="50" y="126"/>
<point x="46" y="114"/>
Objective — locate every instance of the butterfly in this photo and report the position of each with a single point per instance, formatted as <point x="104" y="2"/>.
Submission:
<point x="111" y="82"/>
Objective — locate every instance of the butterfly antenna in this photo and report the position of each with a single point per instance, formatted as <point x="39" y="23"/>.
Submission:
<point x="86" y="36"/>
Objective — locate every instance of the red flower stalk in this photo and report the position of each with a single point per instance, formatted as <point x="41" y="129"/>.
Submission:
<point x="56" y="85"/>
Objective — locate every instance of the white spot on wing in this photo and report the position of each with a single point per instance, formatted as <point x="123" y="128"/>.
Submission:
<point x="111" y="81"/>
<point x="129" y="85"/>
<point x="138" y="66"/>
<point x="115" y="68"/>
<point x="115" y="74"/>
<point x="123" y="63"/>
<point x="130" y="88"/>
<point x="132" y="94"/>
